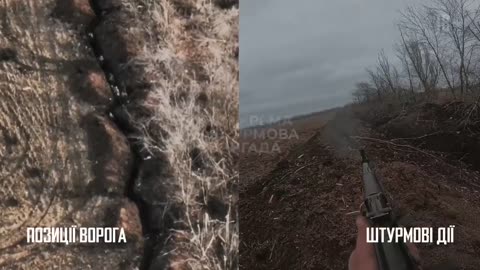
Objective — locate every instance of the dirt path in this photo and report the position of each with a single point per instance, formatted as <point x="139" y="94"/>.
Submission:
<point x="298" y="215"/>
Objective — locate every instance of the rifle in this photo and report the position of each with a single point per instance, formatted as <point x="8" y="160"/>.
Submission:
<point x="390" y="256"/>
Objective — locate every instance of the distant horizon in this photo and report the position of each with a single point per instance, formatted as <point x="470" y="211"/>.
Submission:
<point x="274" y="121"/>
<point x="305" y="56"/>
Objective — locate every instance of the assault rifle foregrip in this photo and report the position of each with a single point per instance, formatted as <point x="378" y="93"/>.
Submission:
<point x="390" y="256"/>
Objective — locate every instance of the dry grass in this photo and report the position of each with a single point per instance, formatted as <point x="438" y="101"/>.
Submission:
<point x="195" y="106"/>
<point x="46" y="162"/>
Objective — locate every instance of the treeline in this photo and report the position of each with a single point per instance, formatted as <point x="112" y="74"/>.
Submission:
<point x="437" y="50"/>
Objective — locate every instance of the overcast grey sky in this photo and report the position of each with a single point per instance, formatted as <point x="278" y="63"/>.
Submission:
<point x="304" y="56"/>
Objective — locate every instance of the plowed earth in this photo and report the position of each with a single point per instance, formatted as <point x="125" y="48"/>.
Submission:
<point x="300" y="212"/>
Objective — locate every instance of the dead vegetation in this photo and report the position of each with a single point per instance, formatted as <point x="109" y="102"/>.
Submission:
<point x="188" y="124"/>
<point x="54" y="171"/>
<point x="419" y="123"/>
<point x="438" y="53"/>
<point x="176" y="68"/>
<point x="317" y="187"/>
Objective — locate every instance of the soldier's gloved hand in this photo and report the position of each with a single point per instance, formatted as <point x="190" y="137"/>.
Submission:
<point x="363" y="256"/>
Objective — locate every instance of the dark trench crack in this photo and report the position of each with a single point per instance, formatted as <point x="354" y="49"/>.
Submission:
<point x="118" y="114"/>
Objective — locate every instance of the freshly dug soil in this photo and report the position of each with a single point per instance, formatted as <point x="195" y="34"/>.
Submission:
<point x="300" y="213"/>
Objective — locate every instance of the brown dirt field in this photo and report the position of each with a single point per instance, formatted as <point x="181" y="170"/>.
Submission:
<point x="62" y="161"/>
<point x="251" y="142"/>
<point x="295" y="214"/>
<point x="120" y="113"/>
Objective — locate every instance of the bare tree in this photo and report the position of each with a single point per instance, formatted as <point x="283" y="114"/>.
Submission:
<point x="357" y="96"/>
<point x="364" y="91"/>
<point x="439" y="49"/>
<point x="402" y="55"/>
<point x="377" y="82"/>
<point x="448" y="28"/>
<point x="420" y="58"/>
<point x="474" y="59"/>
<point x="387" y="72"/>
<point x="424" y="24"/>
<point x="474" y="24"/>
<point x="385" y="77"/>
<point x="456" y="15"/>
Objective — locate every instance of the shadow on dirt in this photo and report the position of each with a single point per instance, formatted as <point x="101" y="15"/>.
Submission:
<point x="110" y="155"/>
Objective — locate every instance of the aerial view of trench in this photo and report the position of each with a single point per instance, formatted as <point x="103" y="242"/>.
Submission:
<point x="119" y="113"/>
